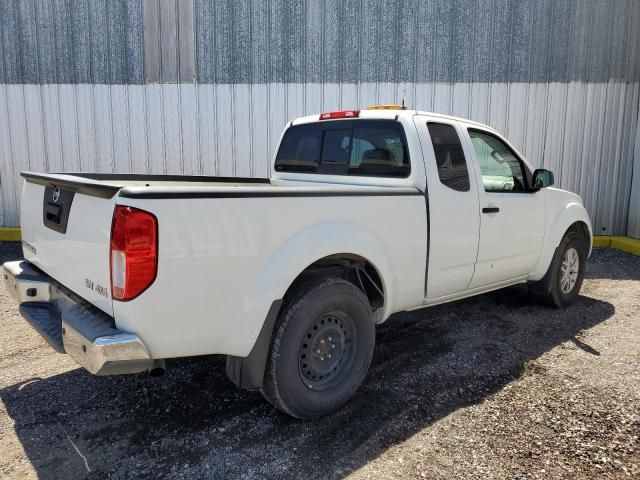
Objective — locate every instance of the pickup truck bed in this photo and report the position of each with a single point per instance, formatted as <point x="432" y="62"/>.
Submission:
<point x="247" y="233"/>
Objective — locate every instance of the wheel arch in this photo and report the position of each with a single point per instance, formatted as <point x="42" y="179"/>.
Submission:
<point x="321" y="249"/>
<point x="573" y="217"/>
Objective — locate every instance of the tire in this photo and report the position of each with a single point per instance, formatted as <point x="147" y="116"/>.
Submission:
<point x="321" y="348"/>
<point x="557" y="289"/>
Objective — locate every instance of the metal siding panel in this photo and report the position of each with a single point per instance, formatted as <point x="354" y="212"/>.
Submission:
<point x="622" y="193"/>
<point x="151" y="21"/>
<point x="276" y="116"/>
<point x="103" y="128"/>
<point x="554" y="128"/>
<point x="331" y="42"/>
<point x="172" y="133"/>
<point x="34" y="126"/>
<point x="560" y="35"/>
<point x="223" y="42"/>
<point x="99" y="44"/>
<point x="52" y="134"/>
<point x="63" y="41"/>
<point x="260" y="42"/>
<point x="137" y="109"/>
<point x="500" y="46"/>
<point x="27" y="40"/>
<point x="479" y="102"/>
<point x="19" y="150"/>
<point x="633" y="226"/>
<point x="241" y="41"/>
<point x="498" y="93"/>
<point x="8" y="170"/>
<point x="425" y="13"/>
<point x="442" y="98"/>
<point x="120" y="128"/>
<point x="45" y="43"/>
<point x="592" y="145"/>
<point x="68" y="127"/>
<point x="462" y="42"/>
<point x="241" y="130"/>
<point x="10" y="47"/>
<point x="207" y="127"/>
<point x="387" y="58"/>
<point x="80" y="41"/>
<point x="517" y="105"/>
<point x="483" y="48"/>
<point x="155" y="129"/>
<point x="261" y="161"/>
<point x="536" y="123"/>
<point x="370" y="42"/>
<point x="443" y="41"/>
<point x="224" y="160"/>
<point x="189" y="128"/>
<point x="351" y="42"/>
<point x="461" y="99"/>
<point x="168" y="41"/>
<point x="521" y="31"/>
<point x="574" y="125"/>
<point x="86" y="135"/>
<point x="609" y="218"/>
<point x="134" y="42"/>
<point x="186" y="48"/>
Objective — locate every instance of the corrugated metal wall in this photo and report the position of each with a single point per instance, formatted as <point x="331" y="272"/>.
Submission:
<point x="205" y="86"/>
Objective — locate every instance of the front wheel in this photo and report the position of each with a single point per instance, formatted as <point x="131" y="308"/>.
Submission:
<point x="321" y="349"/>
<point x="561" y="284"/>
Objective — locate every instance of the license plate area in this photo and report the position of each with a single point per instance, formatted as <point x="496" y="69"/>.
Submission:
<point x="56" y="206"/>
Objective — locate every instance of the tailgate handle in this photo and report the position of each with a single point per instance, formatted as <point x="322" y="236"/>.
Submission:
<point x="53" y="212"/>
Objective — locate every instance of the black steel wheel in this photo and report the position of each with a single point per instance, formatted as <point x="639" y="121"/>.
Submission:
<point x="328" y="351"/>
<point x="321" y="349"/>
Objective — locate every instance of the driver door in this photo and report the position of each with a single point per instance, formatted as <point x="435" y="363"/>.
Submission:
<point x="512" y="216"/>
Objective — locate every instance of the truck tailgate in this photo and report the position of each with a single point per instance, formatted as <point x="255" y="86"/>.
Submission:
<point x="66" y="229"/>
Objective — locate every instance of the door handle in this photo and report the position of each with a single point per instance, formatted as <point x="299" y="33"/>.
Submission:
<point x="490" y="210"/>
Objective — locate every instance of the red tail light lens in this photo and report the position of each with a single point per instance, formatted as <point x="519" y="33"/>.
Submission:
<point x="340" y="114"/>
<point x="134" y="252"/>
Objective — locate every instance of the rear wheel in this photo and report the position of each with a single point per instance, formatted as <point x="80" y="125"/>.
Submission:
<point x="561" y="285"/>
<point x="321" y="349"/>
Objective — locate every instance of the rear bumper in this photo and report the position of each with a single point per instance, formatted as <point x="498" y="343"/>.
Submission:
<point x="73" y="326"/>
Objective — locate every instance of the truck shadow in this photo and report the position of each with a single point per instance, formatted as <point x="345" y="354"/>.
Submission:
<point x="194" y="423"/>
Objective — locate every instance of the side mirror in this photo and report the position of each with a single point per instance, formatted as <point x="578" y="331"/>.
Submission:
<point x="542" y="178"/>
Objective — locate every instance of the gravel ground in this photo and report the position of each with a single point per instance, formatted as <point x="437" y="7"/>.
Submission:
<point x="491" y="387"/>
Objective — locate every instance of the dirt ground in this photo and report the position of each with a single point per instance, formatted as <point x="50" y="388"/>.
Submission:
<point x="491" y="387"/>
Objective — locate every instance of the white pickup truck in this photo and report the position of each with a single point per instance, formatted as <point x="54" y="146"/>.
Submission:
<point x="366" y="213"/>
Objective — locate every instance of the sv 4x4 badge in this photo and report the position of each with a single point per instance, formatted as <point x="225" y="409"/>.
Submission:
<point x="99" y="289"/>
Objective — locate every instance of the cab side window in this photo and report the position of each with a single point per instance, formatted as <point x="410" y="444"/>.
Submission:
<point x="452" y="166"/>
<point x="501" y="169"/>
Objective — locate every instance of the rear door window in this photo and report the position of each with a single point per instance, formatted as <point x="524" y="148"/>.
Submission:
<point x="345" y="147"/>
<point x="452" y="165"/>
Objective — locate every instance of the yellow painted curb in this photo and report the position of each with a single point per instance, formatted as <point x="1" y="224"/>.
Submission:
<point x="602" y="241"/>
<point x="10" y="234"/>
<point x="626" y="244"/>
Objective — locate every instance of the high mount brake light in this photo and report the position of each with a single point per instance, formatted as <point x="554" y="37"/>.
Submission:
<point x="340" y="114"/>
<point x="134" y="252"/>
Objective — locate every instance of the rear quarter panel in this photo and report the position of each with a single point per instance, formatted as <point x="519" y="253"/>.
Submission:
<point x="223" y="261"/>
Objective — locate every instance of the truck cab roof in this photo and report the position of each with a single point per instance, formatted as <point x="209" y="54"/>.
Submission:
<point x="373" y="112"/>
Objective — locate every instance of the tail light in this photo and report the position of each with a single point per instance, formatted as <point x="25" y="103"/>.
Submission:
<point x="340" y="114"/>
<point x="134" y="252"/>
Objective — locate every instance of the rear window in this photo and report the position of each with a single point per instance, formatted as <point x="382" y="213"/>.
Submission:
<point x="345" y="147"/>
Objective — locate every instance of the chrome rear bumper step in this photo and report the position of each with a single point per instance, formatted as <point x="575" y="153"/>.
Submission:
<point x="74" y="326"/>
